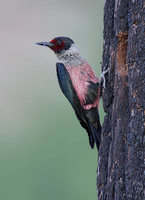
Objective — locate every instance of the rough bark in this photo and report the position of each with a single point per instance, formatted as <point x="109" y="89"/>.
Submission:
<point x="121" y="165"/>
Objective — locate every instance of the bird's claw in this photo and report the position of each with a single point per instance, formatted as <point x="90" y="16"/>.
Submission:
<point x="103" y="78"/>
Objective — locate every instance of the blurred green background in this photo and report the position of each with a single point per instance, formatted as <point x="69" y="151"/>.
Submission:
<point x="44" y="152"/>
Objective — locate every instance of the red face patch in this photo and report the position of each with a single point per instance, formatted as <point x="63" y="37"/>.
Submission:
<point x="58" y="45"/>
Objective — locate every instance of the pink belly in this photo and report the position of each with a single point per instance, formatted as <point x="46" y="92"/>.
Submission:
<point x="80" y="77"/>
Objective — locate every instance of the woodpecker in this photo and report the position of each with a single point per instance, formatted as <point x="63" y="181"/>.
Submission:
<point x="79" y="85"/>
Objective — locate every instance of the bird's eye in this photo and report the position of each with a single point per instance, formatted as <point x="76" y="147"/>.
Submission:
<point x="59" y="42"/>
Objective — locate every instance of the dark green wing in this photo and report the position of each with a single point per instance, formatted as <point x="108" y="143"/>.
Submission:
<point x="70" y="93"/>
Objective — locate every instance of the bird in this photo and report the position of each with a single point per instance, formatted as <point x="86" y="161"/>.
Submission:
<point x="79" y="84"/>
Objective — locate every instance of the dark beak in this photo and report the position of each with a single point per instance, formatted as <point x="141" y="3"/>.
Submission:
<point x="45" y="44"/>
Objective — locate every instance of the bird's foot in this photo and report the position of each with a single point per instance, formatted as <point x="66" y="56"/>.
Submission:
<point x="102" y="78"/>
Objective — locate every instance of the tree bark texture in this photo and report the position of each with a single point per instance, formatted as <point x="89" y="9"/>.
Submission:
<point x="121" y="167"/>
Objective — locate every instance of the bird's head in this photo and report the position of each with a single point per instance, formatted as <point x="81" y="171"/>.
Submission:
<point x="58" y="45"/>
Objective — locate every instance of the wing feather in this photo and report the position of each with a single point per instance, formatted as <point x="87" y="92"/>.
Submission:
<point x="93" y="93"/>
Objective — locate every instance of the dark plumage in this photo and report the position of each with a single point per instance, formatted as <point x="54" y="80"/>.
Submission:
<point x="89" y="119"/>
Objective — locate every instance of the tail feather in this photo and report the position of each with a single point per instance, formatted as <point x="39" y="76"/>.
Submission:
<point x="96" y="133"/>
<point x="91" y="140"/>
<point x="94" y="129"/>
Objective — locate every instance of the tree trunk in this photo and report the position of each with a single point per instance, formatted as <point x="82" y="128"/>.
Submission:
<point x="121" y="154"/>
